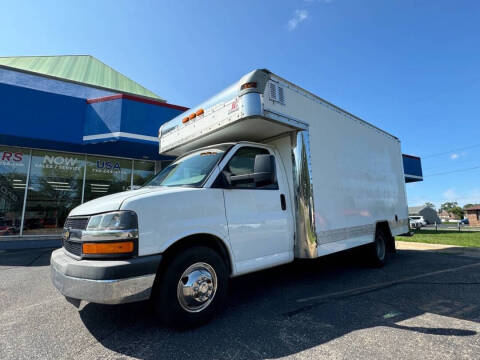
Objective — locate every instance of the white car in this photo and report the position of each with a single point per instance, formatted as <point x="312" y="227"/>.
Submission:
<point x="417" y="222"/>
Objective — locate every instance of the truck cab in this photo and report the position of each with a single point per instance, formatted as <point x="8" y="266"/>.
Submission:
<point x="230" y="199"/>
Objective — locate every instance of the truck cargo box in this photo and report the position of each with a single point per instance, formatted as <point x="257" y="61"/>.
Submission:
<point x="347" y="174"/>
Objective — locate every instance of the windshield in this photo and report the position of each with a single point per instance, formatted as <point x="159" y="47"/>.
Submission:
<point x="190" y="170"/>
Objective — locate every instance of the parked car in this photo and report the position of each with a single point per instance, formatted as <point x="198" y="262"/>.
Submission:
<point x="7" y="227"/>
<point x="419" y="221"/>
<point x="414" y="224"/>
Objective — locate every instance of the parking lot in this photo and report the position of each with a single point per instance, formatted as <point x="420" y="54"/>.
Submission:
<point x="423" y="304"/>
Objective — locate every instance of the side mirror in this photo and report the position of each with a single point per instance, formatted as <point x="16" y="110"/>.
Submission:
<point x="263" y="173"/>
<point x="264" y="170"/>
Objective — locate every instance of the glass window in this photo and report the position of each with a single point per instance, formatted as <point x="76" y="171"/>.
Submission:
<point x="106" y="176"/>
<point x="142" y="171"/>
<point x="189" y="170"/>
<point x="55" y="188"/>
<point x="243" y="163"/>
<point x="13" y="176"/>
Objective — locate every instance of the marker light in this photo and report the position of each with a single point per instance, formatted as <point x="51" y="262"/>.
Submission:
<point x="185" y="119"/>
<point x="199" y="112"/>
<point x="108" y="248"/>
<point x="192" y="116"/>
<point x="248" y="85"/>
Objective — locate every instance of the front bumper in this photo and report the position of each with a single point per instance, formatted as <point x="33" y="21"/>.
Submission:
<point x="104" y="281"/>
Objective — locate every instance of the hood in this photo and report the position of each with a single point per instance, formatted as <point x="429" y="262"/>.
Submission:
<point x="113" y="202"/>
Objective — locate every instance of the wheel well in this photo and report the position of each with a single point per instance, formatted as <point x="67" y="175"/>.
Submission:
<point x="385" y="227"/>
<point x="207" y="240"/>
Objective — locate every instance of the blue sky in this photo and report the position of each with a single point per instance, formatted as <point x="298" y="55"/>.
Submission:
<point x="409" y="67"/>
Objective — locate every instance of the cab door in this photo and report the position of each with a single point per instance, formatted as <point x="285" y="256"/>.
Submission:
<point x="259" y="218"/>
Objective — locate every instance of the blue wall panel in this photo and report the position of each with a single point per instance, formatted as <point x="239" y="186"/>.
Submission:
<point x="144" y="118"/>
<point x="103" y="117"/>
<point x="41" y="115"/>
<point x="412" y="167"/>
<point x="50" y="114"/>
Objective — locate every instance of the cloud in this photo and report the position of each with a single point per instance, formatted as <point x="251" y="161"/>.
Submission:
<point x="450" y="195"/>
<point x="298" y="17"/>
<point x="455" y="156"/>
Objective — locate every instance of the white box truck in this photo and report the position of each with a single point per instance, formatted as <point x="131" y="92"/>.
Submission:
<point x="266" y="172"/>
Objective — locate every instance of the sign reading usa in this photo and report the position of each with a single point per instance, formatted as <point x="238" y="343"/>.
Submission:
<point x="108" y="165"/>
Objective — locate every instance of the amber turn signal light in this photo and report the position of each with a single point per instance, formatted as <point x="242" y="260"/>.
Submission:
<point x="192" y="116"/>
<point x="199" y="112"/>
<point x="248" y="85"/>
<point x="108" y="248"/>
<point x="185" y="119"/>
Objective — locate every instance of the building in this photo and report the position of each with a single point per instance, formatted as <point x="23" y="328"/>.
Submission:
<point x="447" y="216"/>
<point x="72" y="129"/>
<point x="429" y="214"/>
<point x="473" y="215"/>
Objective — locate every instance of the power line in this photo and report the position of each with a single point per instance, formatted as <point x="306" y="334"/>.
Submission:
<point x="451" y="151"/>
<point x="453" y="171"/>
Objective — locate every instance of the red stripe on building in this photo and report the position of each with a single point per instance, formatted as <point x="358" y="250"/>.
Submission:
<point x="136" y="98"/>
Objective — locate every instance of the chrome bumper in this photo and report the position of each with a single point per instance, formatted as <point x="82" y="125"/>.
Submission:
<point x="98" y="290"/>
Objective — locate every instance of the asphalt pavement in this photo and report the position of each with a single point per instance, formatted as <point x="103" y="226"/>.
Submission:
<point x="422" y="304"/>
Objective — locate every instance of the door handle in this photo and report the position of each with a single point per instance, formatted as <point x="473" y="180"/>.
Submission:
<point x="283" y="202"/>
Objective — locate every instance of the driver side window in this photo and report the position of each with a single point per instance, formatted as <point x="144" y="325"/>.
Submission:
<point x="243" y="163"/>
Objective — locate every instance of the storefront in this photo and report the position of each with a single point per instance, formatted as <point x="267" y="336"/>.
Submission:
<point x="38" y="188"/>
<point x="68" y="136"/>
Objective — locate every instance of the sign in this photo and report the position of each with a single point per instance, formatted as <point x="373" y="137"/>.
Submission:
<point x="59" y="162"/>
<point x="9" y="158"/>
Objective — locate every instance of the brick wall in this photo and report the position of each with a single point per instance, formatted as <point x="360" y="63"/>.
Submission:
<point x="473" y="217"/>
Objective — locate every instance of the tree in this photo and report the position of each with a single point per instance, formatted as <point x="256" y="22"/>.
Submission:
<point x="453" y="208"/>
<point x="448" y="206"/>
<point x="430" y="205"/>
<point x="458" y="212"/>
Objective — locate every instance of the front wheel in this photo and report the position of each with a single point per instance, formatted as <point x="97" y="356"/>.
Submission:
<point x="193" y="288"/>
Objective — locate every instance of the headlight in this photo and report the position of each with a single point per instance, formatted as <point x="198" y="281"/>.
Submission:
<point x="118" y="220"/>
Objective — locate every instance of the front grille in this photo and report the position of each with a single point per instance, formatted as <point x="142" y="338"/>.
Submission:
<point x="73" y="247"/>
<point x="77" y="223"/>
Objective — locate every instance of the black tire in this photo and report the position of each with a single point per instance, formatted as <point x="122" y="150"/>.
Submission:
<point x="168" y="304"/>
<point x="377" y="251"/>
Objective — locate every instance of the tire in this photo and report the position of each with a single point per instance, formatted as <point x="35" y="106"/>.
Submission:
<point x="377" y="251"/>
<point x="192" y="289"/>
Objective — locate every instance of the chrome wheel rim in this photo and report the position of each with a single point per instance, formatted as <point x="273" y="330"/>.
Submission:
<point x="197" y="287"/>
<point x="380" y="248"/>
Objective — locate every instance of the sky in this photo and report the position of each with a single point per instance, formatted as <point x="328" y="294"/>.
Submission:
<point x="409" y="67"/>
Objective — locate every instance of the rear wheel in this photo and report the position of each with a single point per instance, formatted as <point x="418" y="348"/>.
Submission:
<point x="377" y="251"/>
<point x="192" y="289"/>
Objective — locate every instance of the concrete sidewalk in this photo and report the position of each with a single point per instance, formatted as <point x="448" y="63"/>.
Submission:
<point x="439" y="248"/>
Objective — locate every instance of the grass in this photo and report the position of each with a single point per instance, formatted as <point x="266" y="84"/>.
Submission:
<point x="464" y="238"/>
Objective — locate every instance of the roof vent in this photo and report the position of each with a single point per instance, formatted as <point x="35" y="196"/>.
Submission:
<point x="277" y="93"/>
